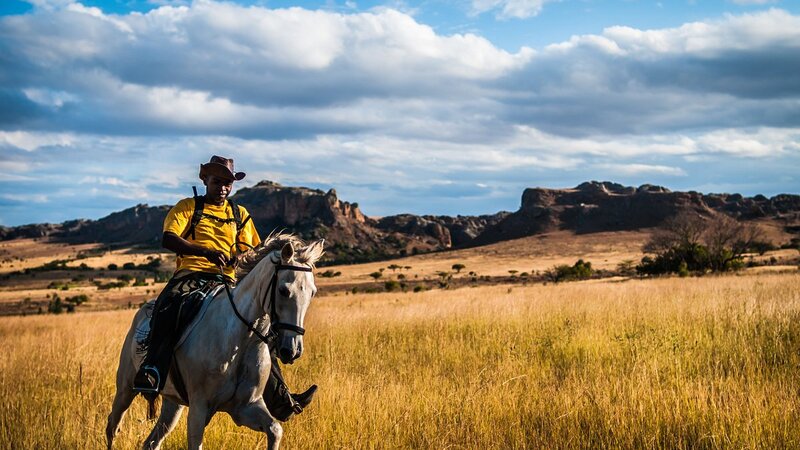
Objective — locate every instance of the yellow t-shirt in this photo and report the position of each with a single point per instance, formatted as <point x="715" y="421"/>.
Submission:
<point x="210" y="233"/>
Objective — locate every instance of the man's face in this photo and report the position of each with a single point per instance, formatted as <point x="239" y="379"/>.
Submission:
<point x="217" y="189"/>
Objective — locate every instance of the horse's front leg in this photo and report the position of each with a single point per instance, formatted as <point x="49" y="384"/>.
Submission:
<point x="256" y="417"/>
<point x="199" y="416"/>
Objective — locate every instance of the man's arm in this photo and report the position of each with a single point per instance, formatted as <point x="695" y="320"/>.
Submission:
<point x="181" y="246"/>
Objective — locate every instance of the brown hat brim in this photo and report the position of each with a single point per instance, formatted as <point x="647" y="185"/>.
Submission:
<point x="219" y="170"/>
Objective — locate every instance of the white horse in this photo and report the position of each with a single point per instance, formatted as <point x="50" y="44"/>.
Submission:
<point x="223" y="363"/>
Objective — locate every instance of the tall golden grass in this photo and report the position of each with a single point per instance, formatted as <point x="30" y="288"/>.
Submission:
<point x="673" y="363"/>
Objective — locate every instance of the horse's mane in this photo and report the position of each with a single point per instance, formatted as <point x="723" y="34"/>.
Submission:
<point x="303" y="253"/>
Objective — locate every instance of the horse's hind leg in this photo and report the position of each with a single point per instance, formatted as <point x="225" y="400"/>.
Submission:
<point x="122" y="401"/>
<point x="170" y="414"/>
<point x="256" y="417"/>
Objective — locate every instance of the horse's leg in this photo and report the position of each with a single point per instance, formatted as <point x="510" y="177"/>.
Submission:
<point x="122" y="401"/>
<point x="199" y="415"/>
<point x="255" y="416"/>
<point x="170" y="414"/>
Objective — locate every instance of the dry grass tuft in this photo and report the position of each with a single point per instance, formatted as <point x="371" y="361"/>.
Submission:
<point x="672" y="363"/>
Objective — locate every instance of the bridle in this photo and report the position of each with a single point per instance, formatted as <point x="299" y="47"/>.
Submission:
<point x="272" y="288"/>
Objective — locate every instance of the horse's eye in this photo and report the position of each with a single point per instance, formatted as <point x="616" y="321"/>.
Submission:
<point x="284" y="291"/>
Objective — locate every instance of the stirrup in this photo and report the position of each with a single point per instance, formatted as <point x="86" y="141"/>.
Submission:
<point x="153" y="388"/>
<point x="296" y="407"/>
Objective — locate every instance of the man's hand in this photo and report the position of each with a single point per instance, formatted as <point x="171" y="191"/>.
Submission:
<point x="217" y="258"/>
<point x="181" y="246"/>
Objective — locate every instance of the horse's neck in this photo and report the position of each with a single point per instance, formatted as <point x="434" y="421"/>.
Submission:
<point x="250" y="297"/>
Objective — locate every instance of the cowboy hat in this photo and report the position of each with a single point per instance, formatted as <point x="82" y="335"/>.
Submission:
<point x="220" y="167"/>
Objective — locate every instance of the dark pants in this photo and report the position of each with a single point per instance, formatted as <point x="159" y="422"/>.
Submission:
<point x="174" y="309"/>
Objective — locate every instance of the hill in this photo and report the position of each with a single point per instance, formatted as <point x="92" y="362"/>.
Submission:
<point x="351" y="236"/>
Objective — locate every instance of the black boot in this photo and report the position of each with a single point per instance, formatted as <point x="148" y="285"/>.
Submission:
<point x="304" y="399"/>
<point x="283" y="405"/>
<point x="147" y="379"/>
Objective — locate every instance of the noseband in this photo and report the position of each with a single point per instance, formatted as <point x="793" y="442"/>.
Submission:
<point x="272" y="289"/>
<point x="273" y="312"/>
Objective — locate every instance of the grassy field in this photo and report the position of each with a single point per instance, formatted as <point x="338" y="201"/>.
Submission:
<point x="672" y="363"/>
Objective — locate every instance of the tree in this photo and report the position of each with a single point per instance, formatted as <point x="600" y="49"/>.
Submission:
<point x="693" y="243"/>
<point x="376" y="275"/>
<point x="458" y="267"/>
<point x="727" y="240"/>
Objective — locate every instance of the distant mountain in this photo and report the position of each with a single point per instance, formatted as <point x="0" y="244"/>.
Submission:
<point x="352" y="237"/>
<point x="604" y="206"/>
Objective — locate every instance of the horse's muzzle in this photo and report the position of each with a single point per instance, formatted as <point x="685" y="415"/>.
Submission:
<point x="290" y="349"/>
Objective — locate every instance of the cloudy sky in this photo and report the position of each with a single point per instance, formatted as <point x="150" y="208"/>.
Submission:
<point x="428" y="107"/>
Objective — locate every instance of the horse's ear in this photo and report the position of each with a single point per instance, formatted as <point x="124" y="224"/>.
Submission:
<point x="287" y="252"/>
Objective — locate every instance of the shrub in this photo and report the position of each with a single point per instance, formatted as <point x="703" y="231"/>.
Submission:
<point x="125" y="278"/>
<point x="129" y="266"/>
<point x="78" y="299"/>
<point x="683" y="269"/>
<point x="581" y="270"/>
<point x="715" y="244"/>
<point x="391" y="285"/>
<point x="151" y="266"/>
<point x="55" y="306"/>
<point x="113" y="266"/>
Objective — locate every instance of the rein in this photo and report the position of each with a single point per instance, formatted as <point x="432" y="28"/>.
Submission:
<point x="275" y="325"/>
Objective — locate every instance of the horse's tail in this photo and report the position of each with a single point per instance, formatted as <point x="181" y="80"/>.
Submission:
<point x="152" y="405"/>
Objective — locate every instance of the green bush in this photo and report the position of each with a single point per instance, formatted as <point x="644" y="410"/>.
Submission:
<point x="78" y="299"/>
<point x="55" y="306"/>
<point x="581" y="270"/>
<point x="125" y="277"/>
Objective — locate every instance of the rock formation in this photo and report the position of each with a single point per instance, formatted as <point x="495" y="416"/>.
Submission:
<point x="351" y="236"/>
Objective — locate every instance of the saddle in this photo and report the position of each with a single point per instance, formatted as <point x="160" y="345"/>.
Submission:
<point x="192" y="298"/>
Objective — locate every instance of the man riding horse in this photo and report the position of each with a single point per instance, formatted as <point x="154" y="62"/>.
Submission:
<point x="204" y="231"/>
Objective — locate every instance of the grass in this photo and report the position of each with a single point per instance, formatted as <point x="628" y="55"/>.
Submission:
<point x="670" y="363"/>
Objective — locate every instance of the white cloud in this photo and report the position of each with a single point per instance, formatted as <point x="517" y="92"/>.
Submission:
<point x="32" y="140"/>
<point x="509" y="9"/>
<point x="382" y="100"/>
<point x="33" y="198"/>
<point x="748" y="31"/>
<point x="769" y="143"/>
<point x="643" y="170"/>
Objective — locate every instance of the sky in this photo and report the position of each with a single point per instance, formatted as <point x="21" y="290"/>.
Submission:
<point x="425" y="107"/>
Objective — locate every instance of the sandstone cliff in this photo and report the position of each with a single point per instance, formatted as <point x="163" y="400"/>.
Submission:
<point x="351" y="236"/>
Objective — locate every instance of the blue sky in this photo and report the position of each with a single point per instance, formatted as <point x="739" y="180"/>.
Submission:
<point x="431" y="107"/>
